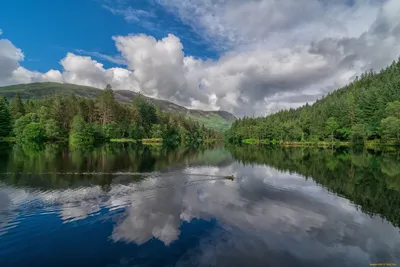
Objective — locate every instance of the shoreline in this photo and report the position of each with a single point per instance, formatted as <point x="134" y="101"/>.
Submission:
<point x="370" y="144"/>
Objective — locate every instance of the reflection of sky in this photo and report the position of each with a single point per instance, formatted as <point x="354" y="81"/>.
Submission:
<point x="264" y="216"/>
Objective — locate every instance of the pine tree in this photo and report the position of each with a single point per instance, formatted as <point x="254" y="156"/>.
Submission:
<point x="17" y="109"/>
<point x="106" y="106"/>
<point x="58" y="112"/>
<point x="5" y="118"/>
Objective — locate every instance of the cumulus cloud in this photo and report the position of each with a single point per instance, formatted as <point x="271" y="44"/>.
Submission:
<point x="158" y="64"/>
<point x="318" y="49"/>
<point x="10" y="56"/>
<point x="270" y="53"/>
<point x="84" y="70"/>
<point x="11" y="72"/>
<point x="53" y="76"/>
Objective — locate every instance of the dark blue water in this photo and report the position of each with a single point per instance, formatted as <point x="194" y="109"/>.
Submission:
<point x="60" y="209"/>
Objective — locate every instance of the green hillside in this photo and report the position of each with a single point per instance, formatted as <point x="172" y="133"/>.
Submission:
<point x="218" y="120"/>
<point x="366" y="109"/>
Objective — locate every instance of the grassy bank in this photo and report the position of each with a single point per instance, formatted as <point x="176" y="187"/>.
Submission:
<point x="123" y="140"/>
<point x="147" y="141"/>
<point x="370" y="144"/>
<point x="316" y="144"/>
<point x="152" y="141"/>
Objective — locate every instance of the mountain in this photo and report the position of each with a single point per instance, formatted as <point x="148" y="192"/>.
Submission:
<point x="219" y="120"/>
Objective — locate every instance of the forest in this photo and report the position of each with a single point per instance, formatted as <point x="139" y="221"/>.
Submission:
<point x="86" y="122"/>
<point x="367" y="109"/>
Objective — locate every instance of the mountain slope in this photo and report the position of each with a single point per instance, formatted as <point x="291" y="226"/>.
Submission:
<point x="366" y="109"/>
<point x="220" y="120"/>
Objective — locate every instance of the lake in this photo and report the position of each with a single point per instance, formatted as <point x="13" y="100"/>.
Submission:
<point x="126" y="205"/>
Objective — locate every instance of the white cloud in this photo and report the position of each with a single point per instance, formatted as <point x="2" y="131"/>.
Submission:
<point x="10" y="56"/>
<point x="1" y="31"/>
<point x="22" y="75"/>
<point x="53" y="76"/>
<point x="158" y="64"/>
<point x="274" y="56"/>
<point x="84" y="70"/>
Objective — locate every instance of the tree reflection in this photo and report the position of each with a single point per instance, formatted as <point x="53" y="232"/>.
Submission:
<point x="51" y="166"/>
<point x="371" y="180"/>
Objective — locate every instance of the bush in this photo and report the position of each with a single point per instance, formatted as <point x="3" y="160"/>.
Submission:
<point x="33" y="133"/>
<point x="20" y="125"/>
<point x="81" y="134"/>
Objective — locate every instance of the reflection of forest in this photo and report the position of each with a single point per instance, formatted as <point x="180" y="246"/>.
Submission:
<point x="371" y="180"/>
<point x="25" y="164"/>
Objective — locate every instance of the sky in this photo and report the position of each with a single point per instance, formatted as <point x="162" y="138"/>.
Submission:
<point x="248" y="57"/>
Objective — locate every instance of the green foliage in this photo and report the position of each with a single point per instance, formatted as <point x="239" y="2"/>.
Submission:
<point x="5" y="118"/>
<point x="331" y="126"/>
<point x="17" y="107"/>
<point x="20" y="124"/>
<point x="146" y="112"/>
<point x="359" y="133"/>
<point x="393" y="109"/>
<point x="156" y="131"/>
<point x="43" y="114"/>
<point x="33" y="133"/>
<point x="390" y="128"/>
<point x="110" y="131"/>
<point x="52" y="130"/>
<point x="352" y="113"/>
<point x="81" y="133"/>
<point x="85" y="98"/>
<point x="211" y="121"/>
<point x="85" y="121"/>
<point x="107" y="107"/>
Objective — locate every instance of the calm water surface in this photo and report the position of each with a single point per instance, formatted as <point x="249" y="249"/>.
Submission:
<point x="139" y="206"/>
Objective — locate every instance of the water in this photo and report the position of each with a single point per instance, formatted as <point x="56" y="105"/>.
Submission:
<point x="139" y="206"/>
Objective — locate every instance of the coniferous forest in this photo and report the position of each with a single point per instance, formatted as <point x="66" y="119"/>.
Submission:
<point x="85" y="122"/>
<point x="366" y="109"/>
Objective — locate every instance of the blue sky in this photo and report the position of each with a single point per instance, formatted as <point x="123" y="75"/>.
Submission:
<point x="47" y="30"/>
<point x="244" y="56"/>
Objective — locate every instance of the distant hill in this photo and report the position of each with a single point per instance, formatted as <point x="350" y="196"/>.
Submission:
<point x="219" y="120"/>
<point x="367" y="108"/>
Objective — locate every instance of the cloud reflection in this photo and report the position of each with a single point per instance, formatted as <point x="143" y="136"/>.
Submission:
<point x="262" y="213"/>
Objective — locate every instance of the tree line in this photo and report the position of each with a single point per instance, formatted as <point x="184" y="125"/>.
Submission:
<point x="366" y="109"/>
<point x="85" y="121"/>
